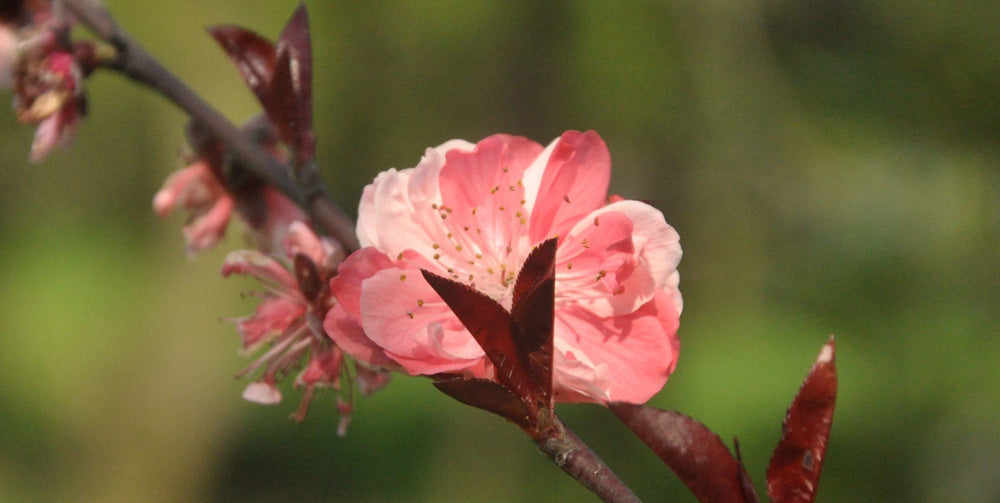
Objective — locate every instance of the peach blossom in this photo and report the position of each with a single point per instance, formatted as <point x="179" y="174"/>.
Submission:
<point x="472" y="213"/>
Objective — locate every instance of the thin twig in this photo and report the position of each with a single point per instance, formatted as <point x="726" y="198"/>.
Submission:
<point x="134" y="62"/>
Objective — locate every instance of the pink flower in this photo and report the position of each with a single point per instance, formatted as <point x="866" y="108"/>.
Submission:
<point x="201" y="189"/>
<point x="473" y="213"/>
<point x="197" y="190"/>
<point x="288" y="320"/>
<point x="49" y="93"/>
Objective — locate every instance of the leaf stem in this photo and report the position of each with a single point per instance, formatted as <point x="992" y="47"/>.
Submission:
<point x="135" y="63"/>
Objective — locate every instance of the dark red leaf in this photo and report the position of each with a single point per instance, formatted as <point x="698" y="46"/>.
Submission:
<point x="308" y="277"/>
<point x="797" y="462"/>
<point x="492" y="327"/>
<point x="253" y="55"/>
<point x="691" y="450"/>
<point x="280" y="75"/>
<point x="282" y="103"/>
<point x="487" y="395"/>
<point x="294" y="40"/>
<point x="533" y="311"/>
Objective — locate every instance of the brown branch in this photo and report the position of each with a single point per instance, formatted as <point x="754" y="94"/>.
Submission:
<point x="134" y="62"/>
<point x="575" y="458"/>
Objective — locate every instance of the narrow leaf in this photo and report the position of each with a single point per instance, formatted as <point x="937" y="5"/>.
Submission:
<point x="281" y="106"/>
<point x="295" y="40"/>
<point x="253" y="55"/>
<point x="492" y="327"/>
<point x="797" y="462"/>
<point x="308" y="277"/>
<point x="691" y="450"/>
<point x="533" y="312"/>
<point x="487" y="395"/>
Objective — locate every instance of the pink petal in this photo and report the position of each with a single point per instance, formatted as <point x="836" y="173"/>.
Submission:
<point x="281" y="212"/>
<point x="323" y="368"/>
<point x="627" y="358"/>
<point x="598" y="268"/>
<point x="359" y="266"/>
<point x="302" y="239"/>
<point x="259" y="266"/>
<point x="348" y="335"/>
<point x="207" y="229"/>
<point x="398" y="223"/>
<point x="8" y="51"/>
<point x="574" y="183"/>
<point x="483" y="195"/>
<point x="402" y="314"/>
<point x="167" y="198"/>
<point x="272" y="316"/>
<point x="262" y="393"/>
<point x="655" y="240"/>
<point x="55" y="131"/>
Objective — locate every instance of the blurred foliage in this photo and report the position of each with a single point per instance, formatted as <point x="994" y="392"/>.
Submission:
<point x="831" y="167"/>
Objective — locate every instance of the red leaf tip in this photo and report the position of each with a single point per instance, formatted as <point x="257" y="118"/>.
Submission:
<point x="828" y="352"/>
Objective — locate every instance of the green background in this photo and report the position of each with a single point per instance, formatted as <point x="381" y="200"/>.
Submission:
<point x="831" y="166"/>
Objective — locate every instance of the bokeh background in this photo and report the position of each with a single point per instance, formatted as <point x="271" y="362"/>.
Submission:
<point x="831" y="165"/>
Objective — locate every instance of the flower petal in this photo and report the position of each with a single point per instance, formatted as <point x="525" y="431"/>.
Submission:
<point x="483" y="196"/>
<point x="262" y="392"/>
<point x="207" y="229"/>
<point x="598" y="267"/>
<point x="273" y="316"/>
<point x="402" y="314"/>
<point x="574" y="183"/>
<point x="625" y="358"/>
<point x="348" y="335"/>
<point x="655" y="240"/>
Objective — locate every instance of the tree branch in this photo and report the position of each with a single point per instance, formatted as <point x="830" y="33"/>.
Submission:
<point x="134" y="62"/>
<point x="575" y="458"/>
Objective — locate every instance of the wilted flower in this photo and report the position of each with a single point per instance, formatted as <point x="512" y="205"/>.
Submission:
<point x="211" y="190"/>
<point x="197" y="190"/>
<point x="49" y="93"/>
<point x="472" y="213"/>
<point x="288" y="320"/>
<point x="44" y="68"/>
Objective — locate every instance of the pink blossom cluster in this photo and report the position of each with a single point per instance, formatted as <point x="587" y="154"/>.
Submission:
<point x="289" y="259"/>
<point x="472" y="213"/>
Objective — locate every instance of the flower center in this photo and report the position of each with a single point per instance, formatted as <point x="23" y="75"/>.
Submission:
<point x="483" y="244"/>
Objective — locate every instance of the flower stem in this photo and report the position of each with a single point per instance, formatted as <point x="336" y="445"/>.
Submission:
<point x="135" y="63"/>
<point x="575" y="458"/>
